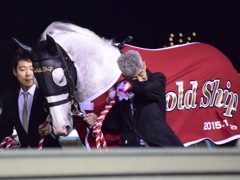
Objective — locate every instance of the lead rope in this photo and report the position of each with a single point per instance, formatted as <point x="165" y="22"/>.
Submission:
<point x="40" y="144"/>
<point x="97" y="132"/>
<point x="122" y="93"/>
<point x="7" y="141"/>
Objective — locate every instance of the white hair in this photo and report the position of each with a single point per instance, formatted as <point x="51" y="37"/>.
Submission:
<point x="130" y="63"/>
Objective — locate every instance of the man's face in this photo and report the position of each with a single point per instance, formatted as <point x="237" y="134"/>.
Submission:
<point x="141" y="75"/>
<point x="24" y="73"/>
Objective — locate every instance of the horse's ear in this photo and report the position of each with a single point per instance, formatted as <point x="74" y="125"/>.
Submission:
<point x="27" y="49"/>
<point x="51" y="45"/>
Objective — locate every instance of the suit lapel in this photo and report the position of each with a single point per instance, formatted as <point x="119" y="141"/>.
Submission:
<point x="15" y="109"/>
<point x="34" y="111"/>
<point x="16" y="113"/>
<point x="127" y="109"/>
<point x="136" y="107"/>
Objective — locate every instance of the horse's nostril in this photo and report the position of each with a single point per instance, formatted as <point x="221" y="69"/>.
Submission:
<point x="68" y="128"/>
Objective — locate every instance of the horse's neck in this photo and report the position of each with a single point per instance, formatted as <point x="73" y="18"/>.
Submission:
<point x="97" y="75"/>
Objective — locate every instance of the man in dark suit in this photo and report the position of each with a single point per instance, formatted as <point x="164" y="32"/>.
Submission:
<point x="141" y="119"/>
<point x="15" y="114"/>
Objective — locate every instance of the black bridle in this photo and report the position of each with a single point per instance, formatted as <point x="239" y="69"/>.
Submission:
<point x="50" y="55"/>
<point x="71" y="83"/>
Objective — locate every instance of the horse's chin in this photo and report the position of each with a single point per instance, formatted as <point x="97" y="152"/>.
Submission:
<point x="61" y="133"/>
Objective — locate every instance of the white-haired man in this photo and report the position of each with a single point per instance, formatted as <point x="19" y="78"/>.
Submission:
<point x="141" y="119"/>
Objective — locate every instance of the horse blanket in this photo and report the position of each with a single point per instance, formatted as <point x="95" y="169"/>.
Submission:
<point x="202" y="93"/>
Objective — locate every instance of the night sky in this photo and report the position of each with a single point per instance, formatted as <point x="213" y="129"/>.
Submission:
<point x="149" y="22"/>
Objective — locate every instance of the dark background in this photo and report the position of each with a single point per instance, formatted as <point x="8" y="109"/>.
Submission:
<point x="150" y="22"/>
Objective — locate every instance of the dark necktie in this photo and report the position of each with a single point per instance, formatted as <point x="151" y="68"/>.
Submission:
<point x="25" y="112"/>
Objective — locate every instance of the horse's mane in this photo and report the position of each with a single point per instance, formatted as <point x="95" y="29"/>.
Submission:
<point x="95" y="57"/>
<point x="59" y="27"/>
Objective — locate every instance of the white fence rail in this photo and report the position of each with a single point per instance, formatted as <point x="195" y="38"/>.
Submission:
<point x="120" y="164"/>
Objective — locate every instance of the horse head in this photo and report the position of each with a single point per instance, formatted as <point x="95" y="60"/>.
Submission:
<point x="56" y="78"/>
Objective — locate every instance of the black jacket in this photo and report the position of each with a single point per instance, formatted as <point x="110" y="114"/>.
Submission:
<point x="149" y="120"/>
<point x="10" y="119"/>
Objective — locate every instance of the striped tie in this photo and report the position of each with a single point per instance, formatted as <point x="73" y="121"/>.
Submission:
<point x="25" y="112"/>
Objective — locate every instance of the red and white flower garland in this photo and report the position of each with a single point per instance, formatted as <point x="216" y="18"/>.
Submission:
<point x="122" y="93"/>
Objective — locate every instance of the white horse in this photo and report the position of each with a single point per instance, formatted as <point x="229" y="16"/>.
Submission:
<point x="95" y="61"/>
<point x="190" y="92"/>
